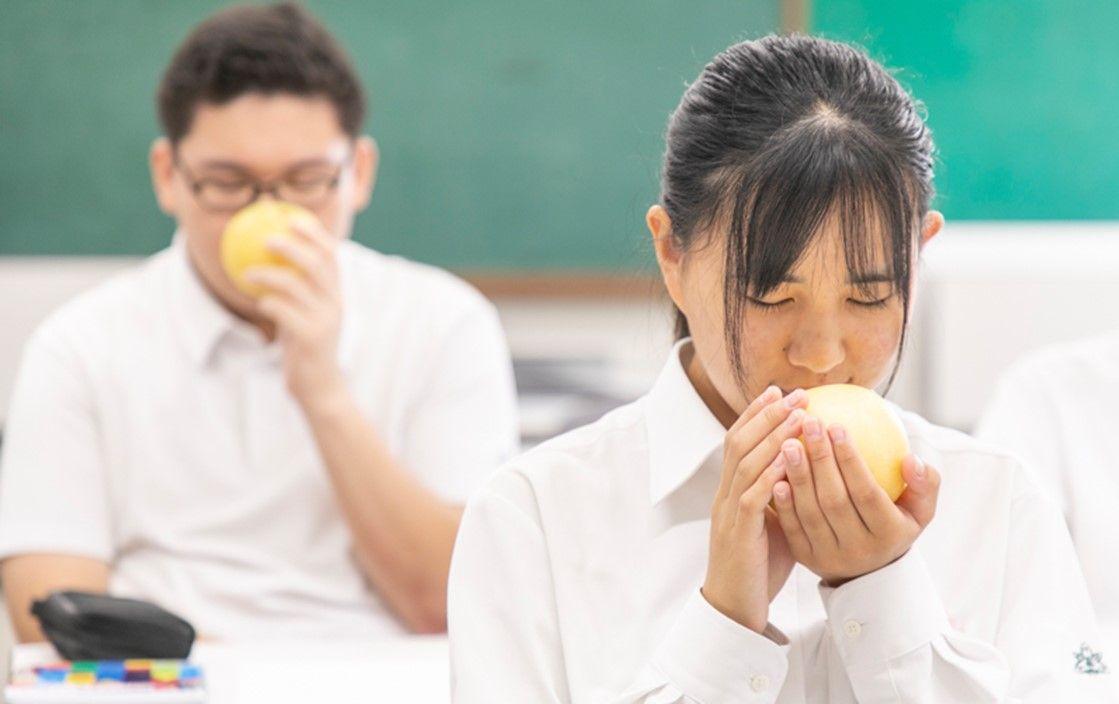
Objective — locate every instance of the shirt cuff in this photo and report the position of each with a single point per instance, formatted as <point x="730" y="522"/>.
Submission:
<point x="715" y="660"/>
<point x="885" y="614"/>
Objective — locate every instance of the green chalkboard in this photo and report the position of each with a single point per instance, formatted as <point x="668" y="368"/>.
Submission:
<point x="1022" y="96"/>
<point x="513" y="134"/>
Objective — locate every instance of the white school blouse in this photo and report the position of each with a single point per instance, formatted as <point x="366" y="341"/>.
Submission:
<point x="577" y="571"/>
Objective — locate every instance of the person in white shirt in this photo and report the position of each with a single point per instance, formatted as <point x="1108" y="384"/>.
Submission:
<point x="640" y="559"/>
<point x="291" y="466"/>
<point x="1055" y="410"/>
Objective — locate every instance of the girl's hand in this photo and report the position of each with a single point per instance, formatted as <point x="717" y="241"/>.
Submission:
<point x="839" y="523"/>
<point x="749" y="559"/>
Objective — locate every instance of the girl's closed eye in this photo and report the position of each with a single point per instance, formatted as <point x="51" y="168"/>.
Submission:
<point x="872" y="303"/>
<point x="762" y="304"/>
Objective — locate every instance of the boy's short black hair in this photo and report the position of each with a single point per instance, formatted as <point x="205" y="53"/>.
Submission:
<point x="258" y="49"/>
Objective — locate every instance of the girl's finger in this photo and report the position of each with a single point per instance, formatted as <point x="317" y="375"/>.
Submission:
<point x="787" y="517"/>
<point x="871" y="501"/>
<point x="920" y="496"/>
<point x="831" y="491"/>
<point x="761" y="401"/>
<point x="771" y="394"/>
<point x="765" y="452"/>
<point x="753" y="502"/>
<point x="744" y="438"/>
<point x="808" y="511"/>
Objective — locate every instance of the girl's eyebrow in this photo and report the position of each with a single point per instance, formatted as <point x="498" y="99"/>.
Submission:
<point x="875" y="277"/>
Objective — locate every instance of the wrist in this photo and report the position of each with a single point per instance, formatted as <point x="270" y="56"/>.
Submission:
<point x="747" y="618"/>
<point x="326" y="397"/>
<point x="836" y="581"/>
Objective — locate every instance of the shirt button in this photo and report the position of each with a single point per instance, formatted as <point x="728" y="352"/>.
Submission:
<point x="759" y="683"/>
<point x="853" y="629"/>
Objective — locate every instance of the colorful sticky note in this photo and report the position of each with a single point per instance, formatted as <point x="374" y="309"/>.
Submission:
<point x="51" y="674"/>
<point x="110" y="671"/>
<point x="137" y="676"/>
<point x="190" y="673"/>
<point x="82" y="678"/>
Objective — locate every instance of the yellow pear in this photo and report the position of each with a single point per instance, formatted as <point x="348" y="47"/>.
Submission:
<point x="244" y="241"/>
<point x="870" y="424"/>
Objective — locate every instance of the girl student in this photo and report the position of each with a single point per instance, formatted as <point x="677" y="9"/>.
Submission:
<point x="687" y="547"/>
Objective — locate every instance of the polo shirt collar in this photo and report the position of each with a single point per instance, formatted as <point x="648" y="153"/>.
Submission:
<point x="202" y="320"/>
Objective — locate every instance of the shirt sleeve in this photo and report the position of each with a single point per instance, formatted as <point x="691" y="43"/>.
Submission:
<point x="53" y="483"/>
<point x="891" y="633"/>
<point x="463" y="423"/>
<point x="505" y="636"/>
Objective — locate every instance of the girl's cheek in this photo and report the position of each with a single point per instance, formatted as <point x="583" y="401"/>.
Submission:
<point x="878" y="348"/>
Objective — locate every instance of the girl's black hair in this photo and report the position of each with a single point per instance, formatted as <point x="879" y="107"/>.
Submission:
<point x="780" y="134"/>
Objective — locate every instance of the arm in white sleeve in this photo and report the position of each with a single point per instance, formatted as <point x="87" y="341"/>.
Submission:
<point x="54" y="495"/>
<point x="505" y="633"/>
<point x="892" y="634"/>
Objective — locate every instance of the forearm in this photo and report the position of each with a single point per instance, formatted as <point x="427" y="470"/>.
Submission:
<point x="30" y="577"/>
<point x="403" y="533"/>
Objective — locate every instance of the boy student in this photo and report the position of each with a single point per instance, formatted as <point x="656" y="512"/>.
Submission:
<point x="291" y="464"/>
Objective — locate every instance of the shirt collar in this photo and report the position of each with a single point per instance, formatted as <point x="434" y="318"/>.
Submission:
<point x="202" y="319"/>
<point x="683" y="433"/>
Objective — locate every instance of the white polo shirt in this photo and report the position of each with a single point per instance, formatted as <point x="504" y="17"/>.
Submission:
<point x="1057" y="410"/>
<point x="152" y="429"/>
<point x="577" y="571"/>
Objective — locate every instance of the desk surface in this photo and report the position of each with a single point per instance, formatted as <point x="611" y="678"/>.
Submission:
<point x="414" y="669"/>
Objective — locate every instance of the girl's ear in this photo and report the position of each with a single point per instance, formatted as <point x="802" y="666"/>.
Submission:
<point x="932" y="226"/>
<point x="670" y="256"/>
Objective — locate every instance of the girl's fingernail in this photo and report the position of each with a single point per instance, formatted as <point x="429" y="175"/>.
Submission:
<point x="781" y="491"/>
<point x="792" y="454"/>
<point x="838" y="434"/>
<point x="918" y="468"/>
<point x="794" y="398"/>
<point x="812" y="428"/>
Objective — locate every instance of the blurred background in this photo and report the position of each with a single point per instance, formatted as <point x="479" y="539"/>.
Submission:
<point x="521" y="145"/>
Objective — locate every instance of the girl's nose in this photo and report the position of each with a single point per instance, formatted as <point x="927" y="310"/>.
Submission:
<point x="817" y="351"/>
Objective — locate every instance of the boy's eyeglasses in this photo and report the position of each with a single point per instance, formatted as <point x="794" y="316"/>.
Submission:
<point x="308" y="186"/>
